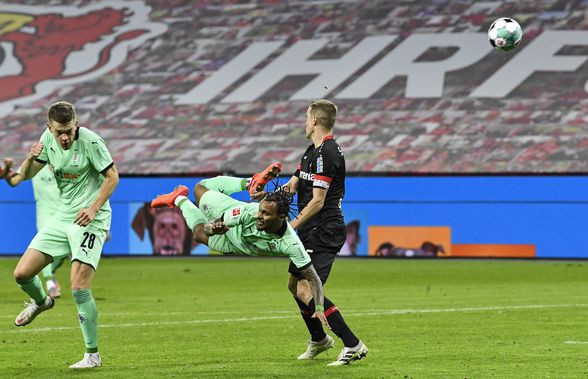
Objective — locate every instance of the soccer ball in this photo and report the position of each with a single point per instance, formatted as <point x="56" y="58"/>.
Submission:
<point x="505" y="34"/>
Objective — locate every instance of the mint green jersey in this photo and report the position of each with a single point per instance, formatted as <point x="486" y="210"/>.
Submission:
<point x="247" y="239"/>
<point x="77" y="172"/>
<point x="47" y="198"/>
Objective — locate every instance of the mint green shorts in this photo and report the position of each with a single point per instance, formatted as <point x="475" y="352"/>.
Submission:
<point x="61" y="238"/>
<point x="213" y="204"/>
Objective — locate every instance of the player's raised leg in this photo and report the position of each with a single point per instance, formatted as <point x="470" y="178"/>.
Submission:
<point x="260" y="179"/>
<point x="178" y="197"/>
<point x="26" y="276"/>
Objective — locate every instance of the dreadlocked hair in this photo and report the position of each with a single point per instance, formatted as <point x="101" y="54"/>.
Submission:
<point x="283" y="199"/>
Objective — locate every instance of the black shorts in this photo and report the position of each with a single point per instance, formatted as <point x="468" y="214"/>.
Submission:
<point x="322" y="244"/>
<point x="322" y="262"/>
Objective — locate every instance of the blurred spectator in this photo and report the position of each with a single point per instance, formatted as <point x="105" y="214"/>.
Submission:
<point x="386" y="249"/>
<point x="539" y="127"/>
<point x="352" y="240"/>
<point x="427" y="249"/>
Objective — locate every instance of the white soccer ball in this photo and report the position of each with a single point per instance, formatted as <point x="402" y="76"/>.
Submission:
<point x="505" y="34"/>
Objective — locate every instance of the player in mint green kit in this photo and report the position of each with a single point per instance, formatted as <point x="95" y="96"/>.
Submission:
<point x="231" y="226"/>
<point x="86" y="177"/>
<point x="47" y="203"/>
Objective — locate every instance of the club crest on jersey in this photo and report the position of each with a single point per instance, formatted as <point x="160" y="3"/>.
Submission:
<point x="272" y="246"/>
<point x="236" y="212"/>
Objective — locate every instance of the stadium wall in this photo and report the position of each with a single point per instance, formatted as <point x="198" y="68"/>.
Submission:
<point x="493" y="216"/>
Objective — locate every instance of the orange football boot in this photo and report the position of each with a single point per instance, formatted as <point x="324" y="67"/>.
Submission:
<point x="169" y="198"/>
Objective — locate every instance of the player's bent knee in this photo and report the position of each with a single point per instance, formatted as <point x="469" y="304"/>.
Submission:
<point x="303" y="291"/>
<point x="292" y="287"/>
<point x="20" y="276"/>
<point x="199" y="190"/>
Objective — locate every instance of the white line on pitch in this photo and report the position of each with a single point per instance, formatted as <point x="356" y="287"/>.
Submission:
<point x="293" y="315"/>
<point x="118" y="314"/>
<point x="576" y="342"/>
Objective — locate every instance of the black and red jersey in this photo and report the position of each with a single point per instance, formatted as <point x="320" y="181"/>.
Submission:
<point x="322" y="167"/>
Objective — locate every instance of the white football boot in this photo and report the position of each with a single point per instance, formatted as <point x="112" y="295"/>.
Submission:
<point x="90" y="360"/>
<point x="350" y="354"/>
<point x="315" y="348"/>
<point x="32" y="310"/>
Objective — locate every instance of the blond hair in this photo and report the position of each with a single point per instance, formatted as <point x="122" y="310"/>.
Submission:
<point x="325" y="111"/>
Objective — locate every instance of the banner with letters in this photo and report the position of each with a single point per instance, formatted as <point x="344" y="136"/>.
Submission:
<point x="184" y="87"/>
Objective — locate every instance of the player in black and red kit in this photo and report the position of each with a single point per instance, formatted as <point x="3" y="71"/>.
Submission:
<point x="320" y="183"/>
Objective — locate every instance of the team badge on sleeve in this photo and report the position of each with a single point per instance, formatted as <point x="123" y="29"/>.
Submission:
<point x="322" y="181"/>
<point x="236" y="212"/>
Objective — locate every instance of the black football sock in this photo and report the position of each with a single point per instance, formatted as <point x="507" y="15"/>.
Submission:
<point x="338" y="325"/>
<point x="314" y="325"/>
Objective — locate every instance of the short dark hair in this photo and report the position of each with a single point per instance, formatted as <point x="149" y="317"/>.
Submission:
<point x="61" y="112"/>
<point x="325" y="111"/>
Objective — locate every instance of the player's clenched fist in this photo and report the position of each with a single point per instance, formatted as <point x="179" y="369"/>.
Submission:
<point x="36" y="150"/>
<point x="7" y="166"/>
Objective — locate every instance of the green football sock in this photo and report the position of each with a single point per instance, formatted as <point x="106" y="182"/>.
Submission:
<point x="192" y="214"/>
<point x="47" y="271"/>
<point x="88" y="316"/>
<point x="225" y="184"/>
<point x="34" y="288"/>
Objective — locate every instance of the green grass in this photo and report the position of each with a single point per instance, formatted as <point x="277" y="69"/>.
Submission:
<point x="234" y="318"/>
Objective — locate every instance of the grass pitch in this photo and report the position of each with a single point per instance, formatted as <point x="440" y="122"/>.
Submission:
<point x="234" y="318"/>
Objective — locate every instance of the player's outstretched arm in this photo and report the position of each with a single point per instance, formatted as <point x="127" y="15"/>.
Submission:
<point x="316" y="287"/>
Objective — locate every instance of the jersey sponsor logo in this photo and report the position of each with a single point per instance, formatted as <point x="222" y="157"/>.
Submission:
<point x="66" y="175"/>
<point x="236" y="212"/>
<point x="306" y="176"/>
<point x="48" y="47"/>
